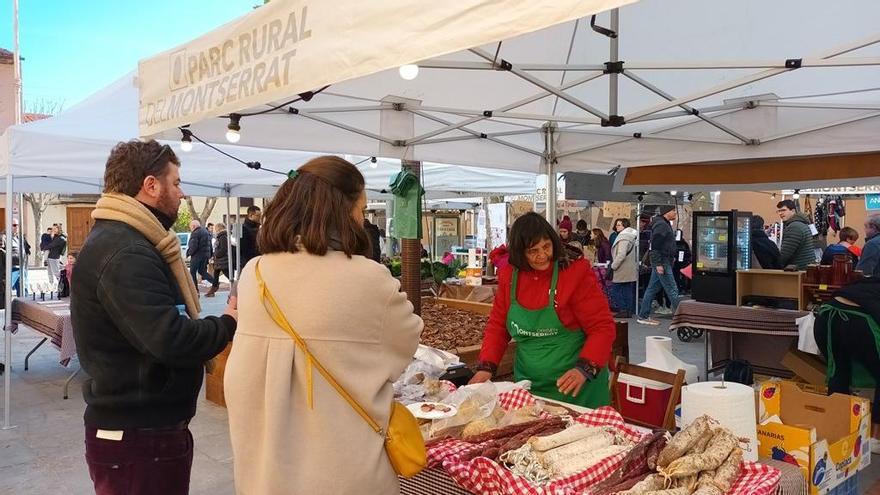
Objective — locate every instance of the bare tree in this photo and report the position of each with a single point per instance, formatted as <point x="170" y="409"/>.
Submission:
<point x="206" y="211"/>
<point x="39" y="203"/>
<point x="44" y="106"/>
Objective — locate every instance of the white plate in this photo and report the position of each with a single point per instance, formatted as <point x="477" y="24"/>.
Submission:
<point x="416" y="410"/>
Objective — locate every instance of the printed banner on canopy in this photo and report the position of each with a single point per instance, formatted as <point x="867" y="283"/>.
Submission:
<point x="289" y="47"/>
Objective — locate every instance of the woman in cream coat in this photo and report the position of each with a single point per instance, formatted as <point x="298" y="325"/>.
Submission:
<point x="355" y="321"/>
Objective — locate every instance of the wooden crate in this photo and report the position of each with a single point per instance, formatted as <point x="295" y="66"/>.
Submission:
<point x="472" y="306"/>
<point x="621" y="341"/>
<point x="470" y="356"/>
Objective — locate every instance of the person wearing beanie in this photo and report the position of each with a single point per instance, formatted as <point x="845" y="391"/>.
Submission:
<point x="574" y="248"/>
<point x="662" y="257"/>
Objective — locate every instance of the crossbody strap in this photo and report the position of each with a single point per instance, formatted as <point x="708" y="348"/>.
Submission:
<point x="278" y="317"/>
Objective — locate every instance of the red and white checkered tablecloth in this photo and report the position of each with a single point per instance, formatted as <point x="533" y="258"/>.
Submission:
<point x="486" y="477"/>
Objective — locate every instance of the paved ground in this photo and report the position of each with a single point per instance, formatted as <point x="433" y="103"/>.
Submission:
<point x="44" y="453"/>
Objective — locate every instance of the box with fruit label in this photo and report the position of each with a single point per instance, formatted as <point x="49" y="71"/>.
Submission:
<point x="828" y="437"/>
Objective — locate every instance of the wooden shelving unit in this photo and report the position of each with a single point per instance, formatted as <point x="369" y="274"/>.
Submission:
<point x="770" y="283"/>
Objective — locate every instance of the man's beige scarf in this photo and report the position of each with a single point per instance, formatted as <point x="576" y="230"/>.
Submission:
<point x="125" y="209"/>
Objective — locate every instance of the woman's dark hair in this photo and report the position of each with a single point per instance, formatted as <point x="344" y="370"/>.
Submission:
<point x="623" y="221"/>
<point x="599" y="237"/>
<point x="315" y="208"/>
<point x="581" y="225"/>
<point x="757" y="222"/>
<point x="528" y="230"/>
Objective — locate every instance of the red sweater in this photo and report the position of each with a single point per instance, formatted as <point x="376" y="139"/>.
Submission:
<point x="580" y="303"/>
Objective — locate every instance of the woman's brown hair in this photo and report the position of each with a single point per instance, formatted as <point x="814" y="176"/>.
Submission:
<point x="599" y="236"/>
<point x="315" y="208"/>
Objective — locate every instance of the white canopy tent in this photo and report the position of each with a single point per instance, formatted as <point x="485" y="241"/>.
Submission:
<point x="66" y="154"/>
<point x="663" y="83"/>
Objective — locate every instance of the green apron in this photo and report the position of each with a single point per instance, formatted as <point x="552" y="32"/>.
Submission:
<point x="545" y="350"/>
<point x="860" y="377"/>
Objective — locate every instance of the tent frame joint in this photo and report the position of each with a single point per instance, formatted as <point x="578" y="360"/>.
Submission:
<point x="614" y="121"/>
<point x="793" y="63"/>
<point x="504" y="65"/>
<point x="613" y="67"/>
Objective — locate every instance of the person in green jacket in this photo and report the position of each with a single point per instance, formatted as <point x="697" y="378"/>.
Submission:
<point x="797" y="239"/>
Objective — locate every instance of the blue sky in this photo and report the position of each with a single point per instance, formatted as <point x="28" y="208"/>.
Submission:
<point x="74" y="48"/>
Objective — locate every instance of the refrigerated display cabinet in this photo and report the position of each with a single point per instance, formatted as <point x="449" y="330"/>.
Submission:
<point x="721" y="246"/>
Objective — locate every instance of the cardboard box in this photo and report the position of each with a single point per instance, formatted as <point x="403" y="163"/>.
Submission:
<point x="828" y="437"/>
<point x="807" y="367"/>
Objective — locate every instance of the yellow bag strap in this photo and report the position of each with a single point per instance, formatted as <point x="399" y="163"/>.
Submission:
<point x="278" y="317"/>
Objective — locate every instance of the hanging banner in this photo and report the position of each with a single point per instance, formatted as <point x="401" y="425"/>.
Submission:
<point x="288" y="47"/>
<point x="498" y="224"/>
<point x="872" y="201"/>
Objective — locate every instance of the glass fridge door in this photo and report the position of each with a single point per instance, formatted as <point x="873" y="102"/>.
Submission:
<point x="743" y="243"/>
<point x="711" y="254"/>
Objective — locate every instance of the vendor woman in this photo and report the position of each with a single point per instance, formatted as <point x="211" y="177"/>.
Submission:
<point x="557" y="314"/>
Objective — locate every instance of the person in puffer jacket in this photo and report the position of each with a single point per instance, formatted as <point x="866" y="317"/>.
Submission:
<point x="797" y="240"/>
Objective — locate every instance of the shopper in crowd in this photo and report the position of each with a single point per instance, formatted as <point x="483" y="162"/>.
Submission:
<point x="354" y="320"/>
<point x="765" y="253"/>
<point x="250" y="229"/>
<point x="135" y="315"/>
<point x="68" y="268"/>
<point x="869" y="263"/>
<point x="19" y="255"/>
<point x="848" y="237"/>
<point x="625" y="268"/>
<point x="682" y="259"/>
<point x="57" y="247"/>
<point x="213" y="232"/>
<point x="557" y="314"/>
<point x="662" y="257"/>
<point x="373" y="235"/>
<point x="616" y="230"/>
<point x="199" y="252"/>
<point x="603" y="246"/>
<point x="45" y="239"/>
<point x="582" y="235"/>
<point x="221" y="258"/>
<point x="574" y="248"/>
<point x="798" y="248"/>
<point x="847" y="332"/>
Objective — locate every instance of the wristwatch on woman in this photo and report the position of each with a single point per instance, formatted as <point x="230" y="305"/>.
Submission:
<point x="487" y="366"/>
<point x="587" y="368"/>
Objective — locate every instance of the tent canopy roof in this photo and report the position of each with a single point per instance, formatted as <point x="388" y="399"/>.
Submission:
<point x="700" y="82"/>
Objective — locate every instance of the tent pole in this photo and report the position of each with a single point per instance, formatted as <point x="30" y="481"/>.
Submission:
<point x="550" y="161"/>
<point x="614" y="56"/>
<point x="411" y="256"/>
<point x="239" y="225"/>
<point x="232" y="277"/>
<point x="7" y="313"/>
<point x="638" y="253"/>
<point x="22" y="252"/>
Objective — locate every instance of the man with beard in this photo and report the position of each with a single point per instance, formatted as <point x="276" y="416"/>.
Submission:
<point x="250" y="229"/>
<point x="135" y="314"/>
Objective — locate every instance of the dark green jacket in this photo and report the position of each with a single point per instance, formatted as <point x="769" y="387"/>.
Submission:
<point x="797" y="243"/>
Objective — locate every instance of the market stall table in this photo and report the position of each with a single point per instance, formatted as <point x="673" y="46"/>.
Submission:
<point x="434" y="481"/>
<point x="760" y="335"/>
<point x="52" y="319"/>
